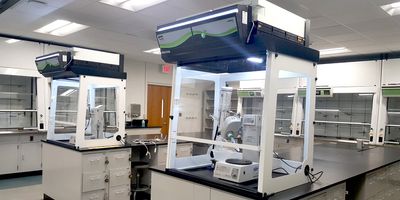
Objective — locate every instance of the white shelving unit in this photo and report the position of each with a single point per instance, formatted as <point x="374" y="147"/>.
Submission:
<point x="344" y="115"/>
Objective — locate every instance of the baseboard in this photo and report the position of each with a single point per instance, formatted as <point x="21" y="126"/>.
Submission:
<point x="21" y="174"/>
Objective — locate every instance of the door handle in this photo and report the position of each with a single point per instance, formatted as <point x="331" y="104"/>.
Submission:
<point x="162" y="108"/>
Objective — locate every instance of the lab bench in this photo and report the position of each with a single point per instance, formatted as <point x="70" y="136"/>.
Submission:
<point x="95" y="174"/>
<point x="348" y="174"/>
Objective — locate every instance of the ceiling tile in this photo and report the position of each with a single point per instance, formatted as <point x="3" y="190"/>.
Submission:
<point x="332" y="31"/>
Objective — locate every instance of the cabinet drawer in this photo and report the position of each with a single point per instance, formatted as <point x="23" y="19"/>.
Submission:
<point x="94" y="163"/>
<point x="118" y="160"/>
<point x="120" y="193"/>
<point x="119" y="177"/>
<point x="93" y="181"/>
<point x="95" y="195"/>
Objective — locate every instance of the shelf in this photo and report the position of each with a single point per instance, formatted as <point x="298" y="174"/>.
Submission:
<point x="280" y="119"/>
<point x="391" y="142"/>
<point x="18" y="110"/>
<point x="345" y="123"/>
<point x="393" y="125"/>
<point x="66" y="111"/>
<point x="393" y="113"/>
<point x="342" y="110"/>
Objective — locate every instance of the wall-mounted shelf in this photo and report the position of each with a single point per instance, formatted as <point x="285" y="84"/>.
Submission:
<point x="346" y="123"/>
<point x="18" y="110"/>
<point x="279" y="119"/>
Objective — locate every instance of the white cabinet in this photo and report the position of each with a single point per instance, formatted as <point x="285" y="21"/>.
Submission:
<point x="20" y="153"/>
<point x="166" y="187"/>
<point x="9" y="158"/>
<point x="86" y="175"/>
<point x="30" y="157"/>
<point x="221" y="195"/>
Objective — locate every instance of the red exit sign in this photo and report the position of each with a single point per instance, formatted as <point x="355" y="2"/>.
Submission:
<point x="166" y="69"/>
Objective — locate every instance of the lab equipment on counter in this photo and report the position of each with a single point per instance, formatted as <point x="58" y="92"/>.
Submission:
<point x="236" y="170"/>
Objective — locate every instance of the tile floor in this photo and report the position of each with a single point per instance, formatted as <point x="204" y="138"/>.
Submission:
<point x="25" y="188"/>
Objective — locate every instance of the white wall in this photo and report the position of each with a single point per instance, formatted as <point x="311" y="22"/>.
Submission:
<point x="20" y="54"/>
<point x="139" y="75"/>
<point x="351" y="74"/>
<point x="391" y="72"/>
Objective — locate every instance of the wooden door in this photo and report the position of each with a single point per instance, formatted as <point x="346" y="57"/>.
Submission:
<point x="158" y="107"/>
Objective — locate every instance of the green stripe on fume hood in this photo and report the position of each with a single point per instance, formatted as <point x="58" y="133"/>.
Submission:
<point x="185" y="37"/>
<point x="391" y="92"/>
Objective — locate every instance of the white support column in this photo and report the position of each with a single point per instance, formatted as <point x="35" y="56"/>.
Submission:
<point x="375" y="115"/>
<point x="282" y="66"/>
<point x="81" y="118"/>
<point x="268" y="124"/>
<point x="173" y="130"/>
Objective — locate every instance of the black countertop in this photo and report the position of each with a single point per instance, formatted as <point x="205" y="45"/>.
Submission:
<point x="338" y="161"/>
<point x="129" y="144"/>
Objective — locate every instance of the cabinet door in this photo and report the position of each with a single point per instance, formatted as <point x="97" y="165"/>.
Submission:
<point x="30" y="157"/>
<point x="221" y="195"/>
<point x="9" y="158"/>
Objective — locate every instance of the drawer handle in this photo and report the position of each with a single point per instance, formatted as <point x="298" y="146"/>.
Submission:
<point x="119" y="192"/>
<point x="120" y="174"/>
<point x="94" y="178"/>
<point x="94" y="197"/>
<point x="106" y="179"/>
<point x="94" y="160"/>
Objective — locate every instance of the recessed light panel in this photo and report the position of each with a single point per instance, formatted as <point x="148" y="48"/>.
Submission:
<point x="156" y="51"/>
<point x="333" y="51"/>
<point x="61" y="28"/>
<point x="11" y="41"/>
<point x="392" y="9"/>
<point x="132" y="5"/>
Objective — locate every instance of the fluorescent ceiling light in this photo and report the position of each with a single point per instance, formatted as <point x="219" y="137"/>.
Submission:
<point x="132" y="5"/>
<point x="199" y="19"/>
<point x="365" y="94"/>
<point x="11" y="41"/>
<point x="68" y="92"/>
<point x="255" y="60"/>
<point x="68" y="29"/>
<point x="61" y="28"/>
<point x="392" y="9"/>
<point x="333" y="51"/>
<point x="156" y="51"/>
<point x="53" y="26"/>
<point x="290" y="96"/>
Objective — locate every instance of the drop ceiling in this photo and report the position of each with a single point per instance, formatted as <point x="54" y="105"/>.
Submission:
<point x="359" y="25"/>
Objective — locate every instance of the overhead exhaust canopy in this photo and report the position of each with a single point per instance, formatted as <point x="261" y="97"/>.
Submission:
<point x="6" y="4"/>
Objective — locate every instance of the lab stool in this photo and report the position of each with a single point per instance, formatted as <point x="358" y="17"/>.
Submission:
<point x="138" y="168"/>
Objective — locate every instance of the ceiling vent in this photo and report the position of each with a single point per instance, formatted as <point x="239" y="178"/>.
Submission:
<point x="6" y="4"/>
